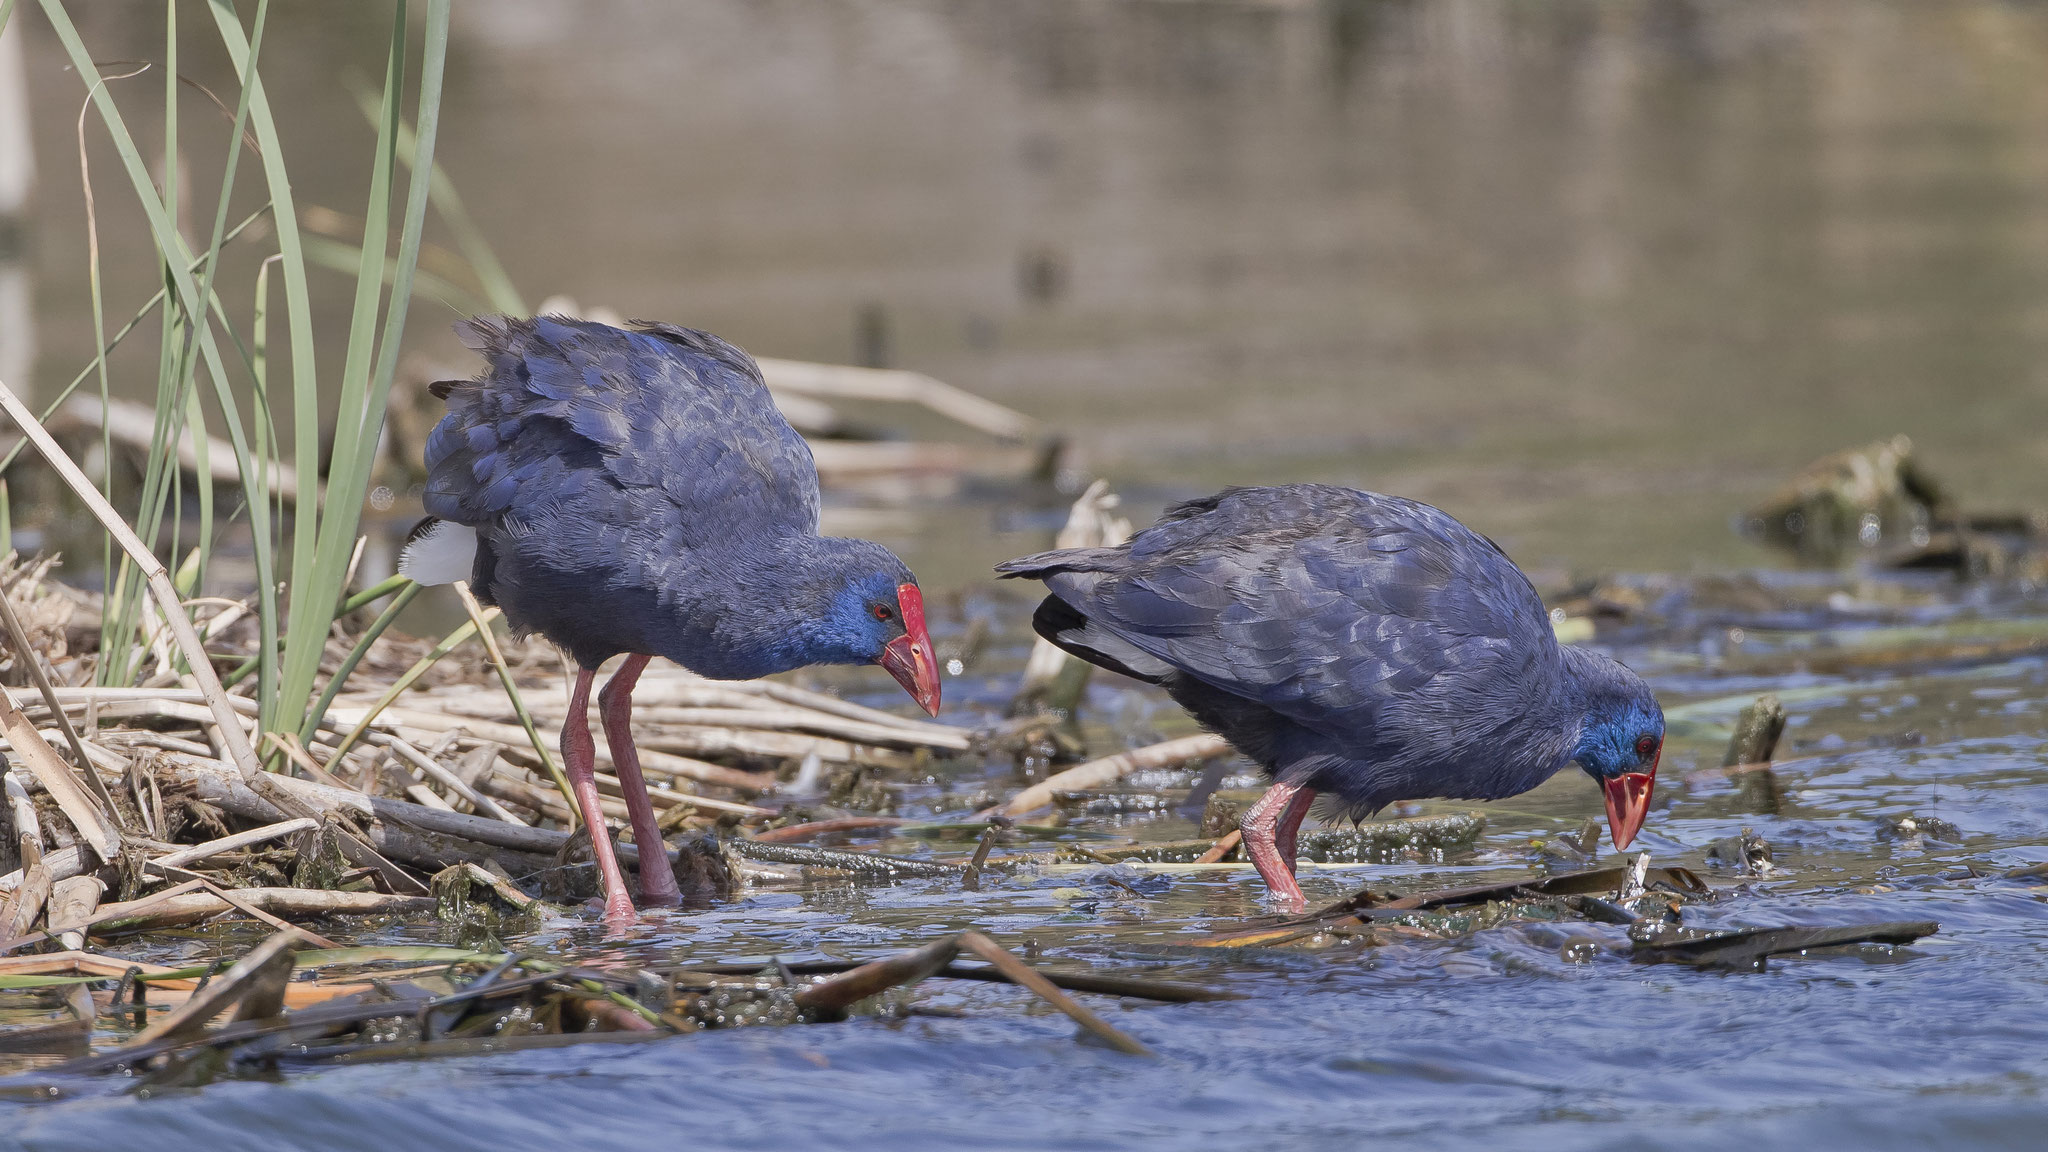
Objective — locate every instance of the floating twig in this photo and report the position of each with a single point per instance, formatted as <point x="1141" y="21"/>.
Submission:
<point x="1749" y="948"/>
<point x="858" y="863"/>
<point x="1018" y="972"/>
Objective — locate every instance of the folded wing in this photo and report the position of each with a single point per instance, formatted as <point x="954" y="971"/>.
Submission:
<point x="571" y="414"/>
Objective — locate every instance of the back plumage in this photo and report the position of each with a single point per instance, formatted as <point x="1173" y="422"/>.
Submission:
<point x="591" y="474"/>
<point x="1367" y="642"/>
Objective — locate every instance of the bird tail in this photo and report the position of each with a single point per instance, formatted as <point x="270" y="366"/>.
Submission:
<point x="1042" y="564"/>
<point x="438" y="552"/>
<point x="1071" y="631"/>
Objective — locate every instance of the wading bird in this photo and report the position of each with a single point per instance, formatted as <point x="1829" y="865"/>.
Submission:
<point x="1354" y="644"/>
<point x="636" y="492"/>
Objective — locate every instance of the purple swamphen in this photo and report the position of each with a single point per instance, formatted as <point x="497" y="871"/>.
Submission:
<point x="636" y="492"/>
<point x="1361" y="645"/>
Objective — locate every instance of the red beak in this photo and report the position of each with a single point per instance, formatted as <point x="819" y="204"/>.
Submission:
<point x="909" y="656"/>
<point x="1628" y="801"/>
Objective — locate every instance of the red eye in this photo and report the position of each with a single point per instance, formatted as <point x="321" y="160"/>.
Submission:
<point x="1646" y="747"/>
<point x="881" y="612"/>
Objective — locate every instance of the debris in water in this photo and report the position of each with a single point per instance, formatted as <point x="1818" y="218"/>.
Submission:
<point x="476" y="1002"/>
<point x="1849" y="502"/>
<point x="1578" y="892"/>
<point x="1426" y="838"/>
<point x="1757" y="729"/>
<point x="1634" y="882"/>
<point x="1914" y="830"/>
<point x="1877" y="501"/>
<point x="1747" y="854"/>
<point x="857" y="863"/>
<point x="1749" y="948"/>
<point x="1578" y="850"/>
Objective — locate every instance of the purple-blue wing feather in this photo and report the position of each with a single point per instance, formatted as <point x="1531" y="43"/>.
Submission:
<point x="573" y="418"/>
<point x="1329" y="606"/>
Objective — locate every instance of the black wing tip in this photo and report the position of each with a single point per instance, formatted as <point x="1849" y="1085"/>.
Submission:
<point x="1063" y="626"/>
<point x="1054" y="616"/>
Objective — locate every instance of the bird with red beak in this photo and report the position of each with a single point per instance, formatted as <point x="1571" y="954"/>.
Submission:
<point x="1363" y="647"/>
<point x="909" y="657"/>
<point x="1620" y="747"/>
<point x="634" y="492"/>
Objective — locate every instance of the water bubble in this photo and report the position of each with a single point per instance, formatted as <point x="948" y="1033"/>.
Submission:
<point x="955" y="666"/>
<point x="1870" y="530"/>
<point x="1580" y="950"/>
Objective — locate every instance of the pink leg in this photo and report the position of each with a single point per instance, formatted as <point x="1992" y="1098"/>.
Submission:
<point x="1263" y="831"/>
<point x="579" y="755"/>
<point x="615" y="706"/>
<point x="1290" y="823"/>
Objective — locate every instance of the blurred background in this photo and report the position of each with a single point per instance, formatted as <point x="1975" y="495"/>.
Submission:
<point x="1592" y="275"/>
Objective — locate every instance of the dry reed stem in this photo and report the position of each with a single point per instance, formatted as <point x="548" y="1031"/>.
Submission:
<point x="1109" y="769"/>
<point x="238" y="840"/>
<point x="72" y="903"/>
<point x="239" y="903"/>
<point x="94" y="826"/>
<point x="438" y="772"/>
<point x="17" y="942"/>
<point x="190" y="906"/>
<point x="890" y="384"/>
<point x="239" y="748"/>
<point x="32" y="662"/>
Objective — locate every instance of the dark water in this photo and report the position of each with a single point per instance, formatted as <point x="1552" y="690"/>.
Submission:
<point x="1589" y="275"/>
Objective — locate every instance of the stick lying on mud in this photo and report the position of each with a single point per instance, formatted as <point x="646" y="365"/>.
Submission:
<point x="1109" y="769"/>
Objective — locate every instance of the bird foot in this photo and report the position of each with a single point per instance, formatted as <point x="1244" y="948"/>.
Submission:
<point x="1286" y="896"/>
<point x="619" y="912"/>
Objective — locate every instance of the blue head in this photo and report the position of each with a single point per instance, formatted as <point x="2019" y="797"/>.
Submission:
<point x="867" y="609"/>
<point x="1621" y="738"/>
